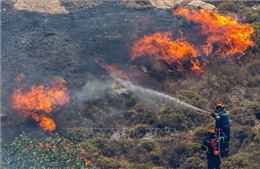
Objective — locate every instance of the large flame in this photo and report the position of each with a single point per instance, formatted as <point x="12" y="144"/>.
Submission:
<point x="40" y="101"/>
<point x="223" y="31"/>
<point x="162" y="47"/>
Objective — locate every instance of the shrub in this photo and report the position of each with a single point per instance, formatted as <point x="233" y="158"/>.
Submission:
<point x="221" y="81"/>
<point x="53" y="152"/>
<point x="193" y="163"/>
<point x="202" y="104"/>
<point x="241" y="116"/>
<point x="253" y="81"/>
<point x="199" y="134"/>
<point x="241" y="137"/>
<point x="180" y="151"/>
<point x="226" y="7"/>
<point x="188" y="97"/>
<point x="77" y="133"/>
<point x="148" y="144"/>
<point x="239" y="160"/>
<point x="256" y="109"/>
<point x="256" y="26"/>
<point x="253" y="68"/>
<point x="250" y="14"/>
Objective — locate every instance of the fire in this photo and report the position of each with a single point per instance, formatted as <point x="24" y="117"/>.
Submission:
<point x="223" y="31"/>
<point x="162" y="47"/>
<point x="40" y="101"/>
<point x="112" y="69"/>
<point x="44" y="122"/>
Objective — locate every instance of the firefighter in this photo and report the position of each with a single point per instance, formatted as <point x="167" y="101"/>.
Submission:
<point x="212" y="143"/>
<point x="222" y="124"/>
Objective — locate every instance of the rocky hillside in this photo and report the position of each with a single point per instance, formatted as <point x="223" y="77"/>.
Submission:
<point x="128" y="104"/>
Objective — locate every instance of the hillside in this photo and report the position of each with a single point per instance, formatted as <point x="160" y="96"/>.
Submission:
<point x="127" y="85"/>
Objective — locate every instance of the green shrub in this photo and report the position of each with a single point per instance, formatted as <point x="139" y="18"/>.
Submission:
<point x="256" y="109"/>
<point x="77" y="133"/>
<point x="241" y="116"/>
<point x="256" y="26"/>
<point x="188" y="97"/>
<point x="239" y="160"/>
<point x="53" y="152"/>
<point x="180" y="151"/>
<point x="250" y="14"/>
<point x="195" y="118"/>
<point x="148" y="144"/>
<point x="241" y="137"/>
<point x="193" y="163"/>
<point x="225" y="7"/>
<point x="202" y="104"/>
<point x="199" y="134"/>
<point x="106" y="162"/>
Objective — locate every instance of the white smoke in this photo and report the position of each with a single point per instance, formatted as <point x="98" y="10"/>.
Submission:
<point x="93" y="90"/>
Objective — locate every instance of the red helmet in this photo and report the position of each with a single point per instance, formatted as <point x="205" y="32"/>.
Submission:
<point x="211" y="130"/>
<point x="219" y="105"/>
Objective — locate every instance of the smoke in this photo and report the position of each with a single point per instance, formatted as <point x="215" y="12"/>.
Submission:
<point x="93" y="90"/>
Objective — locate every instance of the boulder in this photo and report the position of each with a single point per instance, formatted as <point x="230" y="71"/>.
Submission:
<point x="41" y="6"/>
<point x="136" y="4"/>
<point x="165" y="4"/>
<point x="256" y="7"/>
<point x="201" y="4"/>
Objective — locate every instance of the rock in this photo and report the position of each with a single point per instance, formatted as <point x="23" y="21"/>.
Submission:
<point x="165" y="4"/>
<point x="42" y="6"/>
<point x="59" y="79"/>
<point x="136" y="4"/>
<point x="75" y="5"/>
<point x="204" y="5"/>
<point x="256" y="7"/>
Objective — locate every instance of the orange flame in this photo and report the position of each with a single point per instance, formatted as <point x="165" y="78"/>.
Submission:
<point x="162" y="47"/>
<point x="112" y="69"/>
<point x="42" y="100"/>
<point x="44" y="122"/>
<point x="223" y="31"/>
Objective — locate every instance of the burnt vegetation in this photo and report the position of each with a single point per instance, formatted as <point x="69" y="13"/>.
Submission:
<point x="157" y="136"/>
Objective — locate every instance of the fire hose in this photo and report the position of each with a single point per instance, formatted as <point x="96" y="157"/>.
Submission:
<point x="219" y="148"/>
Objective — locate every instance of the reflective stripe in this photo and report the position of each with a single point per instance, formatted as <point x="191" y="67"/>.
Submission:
<point x="224" y="114"/>
<point x="217" y="117"/>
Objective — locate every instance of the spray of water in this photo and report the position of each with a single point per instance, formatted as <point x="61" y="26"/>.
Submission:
<point x="155" y="95"/>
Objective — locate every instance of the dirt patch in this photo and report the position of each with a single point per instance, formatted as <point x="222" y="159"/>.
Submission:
<point x="42" y="6"/>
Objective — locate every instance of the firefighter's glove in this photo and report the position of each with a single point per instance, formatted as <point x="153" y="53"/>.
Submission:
<point x="203" y="148"/>
<point x="213" y="115"/>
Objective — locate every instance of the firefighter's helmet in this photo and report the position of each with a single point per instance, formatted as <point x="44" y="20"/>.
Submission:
<point x="211" y="131"/>
<point x="219" y="105"/>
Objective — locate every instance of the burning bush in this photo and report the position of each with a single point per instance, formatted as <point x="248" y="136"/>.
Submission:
<point x="39" y="102"/>
<point x="162" y="47"/>
<point x="224" y="36"/>
<point x="225" y="32"/>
